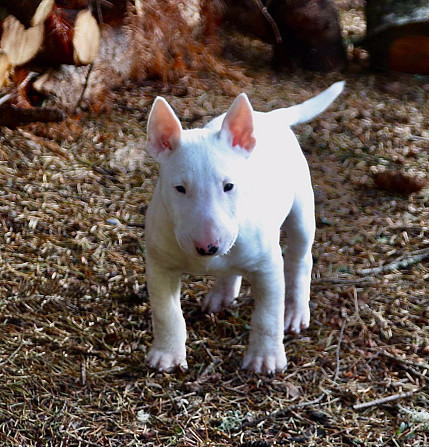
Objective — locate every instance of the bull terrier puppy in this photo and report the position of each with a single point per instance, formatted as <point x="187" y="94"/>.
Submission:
<point x="224" y="192"/>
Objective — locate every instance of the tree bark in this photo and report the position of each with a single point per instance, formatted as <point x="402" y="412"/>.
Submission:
<point x="310" y="33"/>
<point x="398" y="35"/>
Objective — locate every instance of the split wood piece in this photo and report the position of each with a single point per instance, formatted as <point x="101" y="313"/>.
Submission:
<point x="5" y="68"/>
<point x="398" y="35"/>
<point x="20" y="44"/>
<point x="28" y="12"/>
<point x="72" y="37"/>
<point x="86" y="39"/>
<point x="12" y="116"/>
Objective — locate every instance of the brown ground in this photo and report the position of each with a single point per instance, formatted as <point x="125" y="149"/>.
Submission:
<point x="74" y="315"/>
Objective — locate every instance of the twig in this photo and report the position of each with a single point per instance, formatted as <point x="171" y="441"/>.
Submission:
<point x="337" y="352"/>
<point x="81" y="440"/>
<point x="384" y="400"/>
<point x="409" y="365"/>
<point x="85" y="86"/>
<point x="10" y="358"/>
<point x="5" y="98"/>
<point x="136" y="224"/>
<point x="405" y="361"/>
<point x="270" y="20"/>
<point x="280" y="413"/>
<point x="342" y="281"/>
<point x="83" y="373"/>
<point x="91" y="66"/>
<point x="402" y="262"/>
<point x="418" y="137"/>
<point x="23" y="84"/>
<point x="356" y="302"/>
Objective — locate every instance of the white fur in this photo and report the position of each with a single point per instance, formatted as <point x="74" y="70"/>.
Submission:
<point x="193" y="213"/>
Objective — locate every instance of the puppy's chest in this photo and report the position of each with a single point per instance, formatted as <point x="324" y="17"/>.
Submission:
<point x="214" y="266"/>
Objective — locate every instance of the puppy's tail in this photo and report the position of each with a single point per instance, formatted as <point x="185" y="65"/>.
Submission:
<point x="307" y="110"/>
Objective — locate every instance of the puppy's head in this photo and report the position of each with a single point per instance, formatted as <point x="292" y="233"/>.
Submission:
<point x="201" y="173"/>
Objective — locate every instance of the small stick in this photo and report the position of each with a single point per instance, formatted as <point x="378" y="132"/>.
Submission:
<point x="409" y="365"/>
<point x="281" y="413"/>
<point x="11" y="357"/>
<point x="83" y="373"/>
<point x="85" y="86"/>
<point x="402" y="262"/>
<point x="405" y="361"/>
<point x="5" y="98"/>
<point x="384" y="400"/>
<point x="337" y="352"/>
<point x="270" y="20"/>
<point x="343" y="281"/>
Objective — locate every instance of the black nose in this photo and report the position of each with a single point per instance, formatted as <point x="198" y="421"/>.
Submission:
<point x="211" y="250"/>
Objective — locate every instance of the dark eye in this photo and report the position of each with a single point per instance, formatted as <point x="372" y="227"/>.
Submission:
<point x="228" y="187"/>
<point x="181" y="189"/>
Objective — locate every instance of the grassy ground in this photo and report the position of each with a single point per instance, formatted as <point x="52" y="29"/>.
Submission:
<point x="74" y="313"/>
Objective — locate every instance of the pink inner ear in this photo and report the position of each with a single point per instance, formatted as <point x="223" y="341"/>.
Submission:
<point x="239" y="123"/>
<point x="243" y="138"/>
<point x="164" y="129"/>
<point x="166" y="143"/>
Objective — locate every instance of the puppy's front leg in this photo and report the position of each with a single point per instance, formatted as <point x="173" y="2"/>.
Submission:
<point x="266" y="350"/>
<point x="169" y="329"/>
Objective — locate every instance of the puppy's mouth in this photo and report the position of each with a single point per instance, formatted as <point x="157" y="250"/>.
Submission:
<point x="207" y="253"/>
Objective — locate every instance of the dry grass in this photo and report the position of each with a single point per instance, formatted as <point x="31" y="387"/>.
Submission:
<point x="75" y="319"/>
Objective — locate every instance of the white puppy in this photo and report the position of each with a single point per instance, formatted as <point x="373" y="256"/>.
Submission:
<point x="223" y="194"/>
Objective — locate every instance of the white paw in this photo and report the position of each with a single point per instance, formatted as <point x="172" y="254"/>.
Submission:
<point x="297" y="317"/>
<point x="215" y="302"/>
<point x="166" y="360"/>
<point x="268" y="363"/>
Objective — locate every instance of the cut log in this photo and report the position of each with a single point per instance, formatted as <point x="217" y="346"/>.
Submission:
<point x="309" y="31"/>
<point x="398" y="35"/>
<point x="111" y="12"/>
<point x="28" y="12"/>
<point x="86" y="39"/>
<point x="20" y="44"/>
<point x="72" y="37"/>
<point x="12" y="116"/>
<point x="5" y="68"/>
<point x="111" y="66"/>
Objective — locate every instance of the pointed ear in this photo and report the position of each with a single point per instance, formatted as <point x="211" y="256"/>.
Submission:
<point x="237" y="125"/>
<point x="163" y="129"/>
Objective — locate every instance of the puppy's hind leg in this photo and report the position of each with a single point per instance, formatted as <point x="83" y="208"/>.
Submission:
<point x="223" y="293"/>
<point x="300" y="229"/>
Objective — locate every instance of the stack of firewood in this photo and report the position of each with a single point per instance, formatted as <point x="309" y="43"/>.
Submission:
<point x="62" y="32"/>
<point x="43" y="33"/>
<point x="45" y="45"/>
